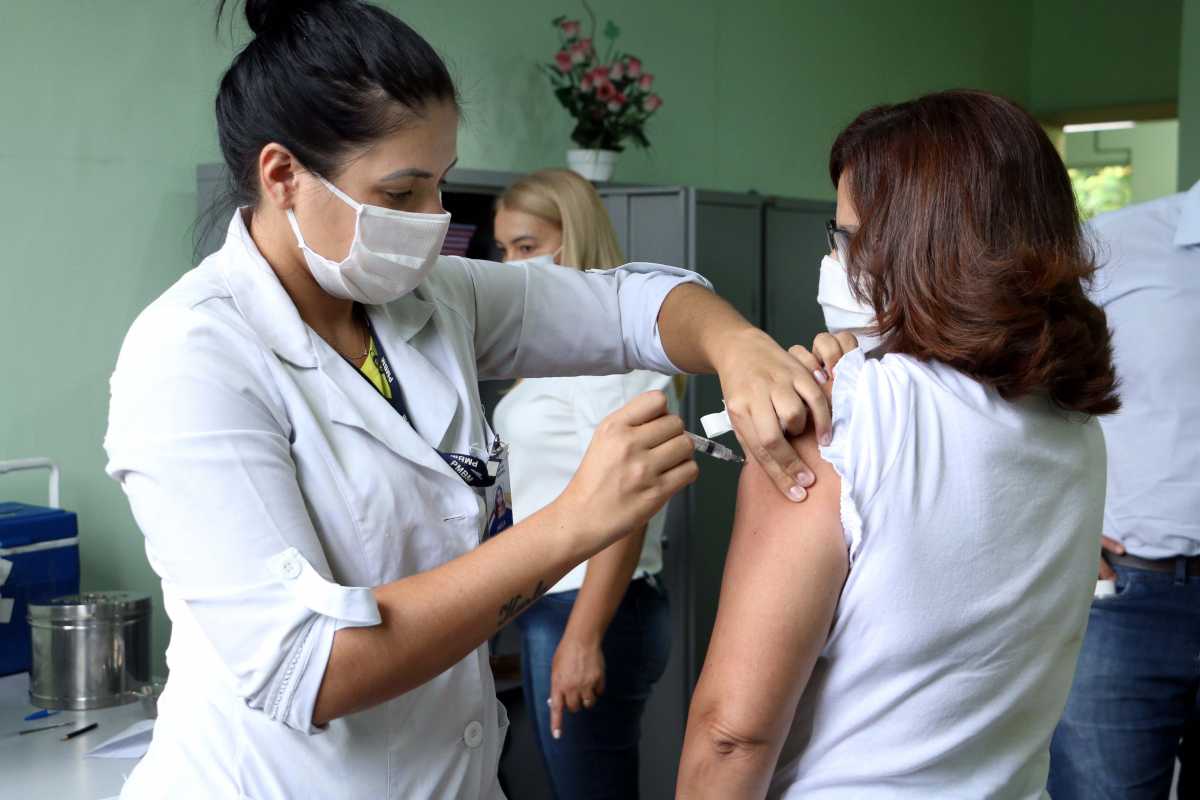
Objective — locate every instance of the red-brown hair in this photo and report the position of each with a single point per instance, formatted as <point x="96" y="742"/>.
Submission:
<point x="970" y="247"/>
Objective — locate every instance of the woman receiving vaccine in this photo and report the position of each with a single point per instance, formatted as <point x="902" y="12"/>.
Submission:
<point x="594" y="646"/>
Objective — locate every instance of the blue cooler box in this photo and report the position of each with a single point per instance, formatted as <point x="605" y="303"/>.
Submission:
<point x="41" y="546"/>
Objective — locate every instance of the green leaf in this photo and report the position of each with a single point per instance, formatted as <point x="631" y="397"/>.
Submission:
<point x="559" y="20"/>
<point x="611" y="31"/>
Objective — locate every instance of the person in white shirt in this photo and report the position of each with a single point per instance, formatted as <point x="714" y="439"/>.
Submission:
<point x="1134" y="710"/>
<point x="297" y="426"/>
<point x="597" y="642"/>
<point x="912" y="631"/>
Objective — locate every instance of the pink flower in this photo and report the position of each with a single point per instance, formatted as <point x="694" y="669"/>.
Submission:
<point x="652" y="103"/>
<point x="633" y="67"/>
<point x="585" y="85"/>
<point x="600" y="73"/>
<point x="570" y="28"/>
<point x="605" y="91"/>
<point x="562" y="60"/>
<point x="616" y="71"/>
<point x="580" y="51"/>
<point x="645" y="82"/>
<point x="617" y="103"/>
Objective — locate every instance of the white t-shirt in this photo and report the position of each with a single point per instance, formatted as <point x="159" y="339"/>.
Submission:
<point x="973" y="526"/>
<point x="548" y="424"/>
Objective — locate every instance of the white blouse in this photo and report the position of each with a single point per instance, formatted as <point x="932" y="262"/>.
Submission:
<point x="548" y="424"/>
<point x="973" y="526"/>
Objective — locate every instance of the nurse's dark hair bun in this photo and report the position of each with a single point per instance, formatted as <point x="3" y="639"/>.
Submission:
<point x="325" y="79"/>
<point x="264" y="16"/>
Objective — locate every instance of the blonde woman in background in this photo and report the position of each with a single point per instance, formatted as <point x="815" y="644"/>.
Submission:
<point x="598" y="641"/>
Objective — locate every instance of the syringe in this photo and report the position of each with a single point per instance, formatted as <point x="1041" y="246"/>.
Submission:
<point x="711" y="448"/>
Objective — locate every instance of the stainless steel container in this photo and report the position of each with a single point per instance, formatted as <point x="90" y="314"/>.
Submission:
<point x="90" y="650"/>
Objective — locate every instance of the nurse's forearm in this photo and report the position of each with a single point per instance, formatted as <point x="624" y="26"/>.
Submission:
<point x="432" y="620"/>
<point x="698" y="328"/>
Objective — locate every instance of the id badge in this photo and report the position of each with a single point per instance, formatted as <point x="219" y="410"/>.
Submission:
<point x="499" y="494"/>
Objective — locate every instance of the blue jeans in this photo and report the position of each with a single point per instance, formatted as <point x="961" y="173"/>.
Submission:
<point x="597" y="756"/>
<point x="1133" y="707"/>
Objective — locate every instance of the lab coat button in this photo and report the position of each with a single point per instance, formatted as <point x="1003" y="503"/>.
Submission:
<point x="290" y="567"/>
<point x="473" y="735"/>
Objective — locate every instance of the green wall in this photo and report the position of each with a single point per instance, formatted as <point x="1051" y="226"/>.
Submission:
<point x="1089" y="54"/>
<point x="1189" y="97"/>
<point x="110" y="111"/>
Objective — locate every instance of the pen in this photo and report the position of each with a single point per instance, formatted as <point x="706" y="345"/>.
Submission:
<point x="41" y="714"/>
<point x="711" y="448"/>
<point x="81" y="731"/>
<point x="43" y="728"/>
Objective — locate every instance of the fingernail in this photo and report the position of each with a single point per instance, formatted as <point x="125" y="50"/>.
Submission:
<point x="826" y="439"/>
<point x="820" y="375"/>
<point x="805" y="478"/>
<point x="557" y="733"/>
<point x="549" y="701"/>
<point x="797" y="493"/>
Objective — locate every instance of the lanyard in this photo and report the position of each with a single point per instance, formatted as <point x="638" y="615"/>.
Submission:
<point x="475" y="472"/>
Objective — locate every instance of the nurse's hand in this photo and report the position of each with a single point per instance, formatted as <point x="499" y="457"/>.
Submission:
<point x="769" y="393"/>
<point x="638" y="459"/>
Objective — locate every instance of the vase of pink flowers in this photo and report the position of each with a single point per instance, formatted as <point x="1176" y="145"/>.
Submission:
<point x="610" y="97"/>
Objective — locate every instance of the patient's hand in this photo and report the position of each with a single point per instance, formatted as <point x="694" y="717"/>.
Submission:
<point x="827" y="350"/>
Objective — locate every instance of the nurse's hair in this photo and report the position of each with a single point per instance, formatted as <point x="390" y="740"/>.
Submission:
<point x="570" y="203"/>
<point x="970" y="248"/>
<point x="323" y="78"/>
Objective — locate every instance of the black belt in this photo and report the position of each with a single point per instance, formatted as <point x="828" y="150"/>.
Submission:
<point x="1183" y="566"/>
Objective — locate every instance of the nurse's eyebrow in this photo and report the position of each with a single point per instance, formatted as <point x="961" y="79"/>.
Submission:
<point x="414" y="172"/>
<point x="409" y="172"/>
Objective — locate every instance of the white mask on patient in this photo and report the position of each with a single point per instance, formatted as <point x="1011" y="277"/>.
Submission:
<point x="843" y="311"/>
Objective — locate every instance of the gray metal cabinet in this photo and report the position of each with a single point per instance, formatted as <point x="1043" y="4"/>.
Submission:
<point x="719" y="235"/>
<point x="794" y="241"/>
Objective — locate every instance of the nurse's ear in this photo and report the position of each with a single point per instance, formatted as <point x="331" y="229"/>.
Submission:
<point x="278" y="176"/>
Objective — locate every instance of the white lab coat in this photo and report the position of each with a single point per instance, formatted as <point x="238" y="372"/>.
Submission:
<point x="274" y="485"/>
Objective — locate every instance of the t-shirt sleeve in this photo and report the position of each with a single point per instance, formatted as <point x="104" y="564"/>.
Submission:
<point x="871" y="415"/>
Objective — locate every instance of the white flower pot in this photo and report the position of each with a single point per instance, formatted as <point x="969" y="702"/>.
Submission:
<point x="595" y="165"/>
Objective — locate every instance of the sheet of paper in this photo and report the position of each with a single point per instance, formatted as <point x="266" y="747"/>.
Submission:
<point x="129" y="743"/>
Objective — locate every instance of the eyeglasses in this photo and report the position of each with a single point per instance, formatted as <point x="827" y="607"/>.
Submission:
<point x="838" y="240"/>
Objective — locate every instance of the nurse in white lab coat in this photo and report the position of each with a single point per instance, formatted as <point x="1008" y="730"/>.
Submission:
<point x="298" y="429"/>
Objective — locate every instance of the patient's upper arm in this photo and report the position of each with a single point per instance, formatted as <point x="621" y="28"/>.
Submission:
<point x="783" y="575"/>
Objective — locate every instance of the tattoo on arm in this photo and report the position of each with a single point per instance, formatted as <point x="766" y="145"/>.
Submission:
<point x="519" y="603"/>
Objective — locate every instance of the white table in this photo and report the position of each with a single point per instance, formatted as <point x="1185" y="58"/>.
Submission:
<point x="40" y="766"/>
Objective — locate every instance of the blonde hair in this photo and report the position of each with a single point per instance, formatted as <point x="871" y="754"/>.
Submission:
<point x="571" y="204"/>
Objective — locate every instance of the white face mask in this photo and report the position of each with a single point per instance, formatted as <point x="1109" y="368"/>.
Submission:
<point x="544" y="260"/>
<point x="843" y="311"/>
<point x="391" y="254"/>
